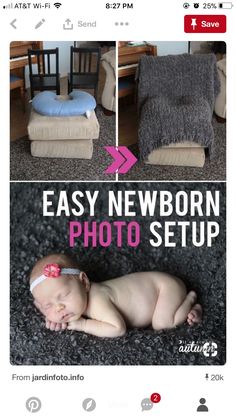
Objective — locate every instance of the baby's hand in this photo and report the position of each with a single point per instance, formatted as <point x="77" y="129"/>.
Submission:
<point x="77" y="325"/>
<point x="56" y="327"/>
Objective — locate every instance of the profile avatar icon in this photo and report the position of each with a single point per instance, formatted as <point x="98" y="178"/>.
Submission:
<point x="202" y="407"/>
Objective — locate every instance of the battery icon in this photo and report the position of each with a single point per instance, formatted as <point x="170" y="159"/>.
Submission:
<point x="226" y="5"/>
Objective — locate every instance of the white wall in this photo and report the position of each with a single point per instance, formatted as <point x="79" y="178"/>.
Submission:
<point x="167" y="47"/>
<point x="64" y="57"/>
<point x="64" y="54"/>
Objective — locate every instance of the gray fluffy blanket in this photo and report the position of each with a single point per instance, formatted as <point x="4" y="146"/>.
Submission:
<point x="176" y="96"/>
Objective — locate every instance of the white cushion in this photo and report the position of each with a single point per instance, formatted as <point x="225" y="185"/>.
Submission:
<point x="80" y="149"/>
<point x="43" y="128"/>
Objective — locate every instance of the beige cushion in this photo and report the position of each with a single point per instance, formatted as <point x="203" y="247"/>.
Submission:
<point x="43" y="128"/>
<point x="110" y="58"/>
<point x="109" y="92"/>
<point x="178" y="156"/>
<point x="80" y="149"/>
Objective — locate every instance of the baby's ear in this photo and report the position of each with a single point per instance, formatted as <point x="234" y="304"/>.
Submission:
<point x="38" y="306"/>
<point x="84" y="280"/>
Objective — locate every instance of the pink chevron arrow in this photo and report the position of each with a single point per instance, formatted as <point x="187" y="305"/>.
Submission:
<point x="130" y="159"/>
<point x="123" y="159"/>
<point x="118" y="159"/>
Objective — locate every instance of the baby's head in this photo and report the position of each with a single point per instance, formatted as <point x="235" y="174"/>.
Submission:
<point x="59" y="288"/>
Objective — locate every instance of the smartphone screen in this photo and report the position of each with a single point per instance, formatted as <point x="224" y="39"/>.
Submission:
<point x="117" y="208"/>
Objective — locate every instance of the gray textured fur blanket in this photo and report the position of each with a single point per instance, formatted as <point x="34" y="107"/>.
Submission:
<point x="176" y="96"/>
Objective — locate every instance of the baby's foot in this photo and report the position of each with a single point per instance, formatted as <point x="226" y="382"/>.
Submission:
<point x="195" y="315"/>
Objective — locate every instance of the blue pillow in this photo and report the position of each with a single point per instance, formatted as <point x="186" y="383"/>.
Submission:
<point x="49" y="104"/>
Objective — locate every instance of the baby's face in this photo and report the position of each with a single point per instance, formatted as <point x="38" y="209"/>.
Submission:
<point x="61" y="299"/>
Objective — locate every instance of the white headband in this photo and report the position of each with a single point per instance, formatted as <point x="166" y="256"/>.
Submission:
<point x="53" y="270"/>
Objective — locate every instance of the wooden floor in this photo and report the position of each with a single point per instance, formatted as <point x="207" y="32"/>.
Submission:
<point x="19" y="119"/>
<point x="128" y="124"/>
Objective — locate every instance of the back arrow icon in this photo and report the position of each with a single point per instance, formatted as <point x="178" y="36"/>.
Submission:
<point x="12" y="23"/>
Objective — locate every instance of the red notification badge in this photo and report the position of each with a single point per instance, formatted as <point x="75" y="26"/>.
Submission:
<point x="155" y="398"/>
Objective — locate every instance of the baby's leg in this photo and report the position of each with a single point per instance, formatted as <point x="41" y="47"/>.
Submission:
<point x="173" y="304"/>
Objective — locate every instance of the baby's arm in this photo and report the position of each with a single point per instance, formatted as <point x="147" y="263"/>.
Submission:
<point x="109" y="322"/>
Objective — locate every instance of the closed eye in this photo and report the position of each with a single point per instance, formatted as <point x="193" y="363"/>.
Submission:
<point x="65" y="295"/>
<point x="47" y="306"/>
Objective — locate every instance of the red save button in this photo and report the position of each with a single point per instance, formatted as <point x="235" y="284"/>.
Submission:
<point x="205" y="23"/>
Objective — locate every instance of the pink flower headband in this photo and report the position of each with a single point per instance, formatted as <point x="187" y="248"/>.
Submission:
<point x="53" y="270"/>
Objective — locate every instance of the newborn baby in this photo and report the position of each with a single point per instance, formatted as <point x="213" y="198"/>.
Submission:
<point x="69" y="300"/>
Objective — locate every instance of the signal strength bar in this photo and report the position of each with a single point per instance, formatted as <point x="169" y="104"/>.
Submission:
<point x="8" y="6"/>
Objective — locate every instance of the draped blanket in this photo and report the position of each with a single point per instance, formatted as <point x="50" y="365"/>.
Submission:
<point x="176" y="96"/>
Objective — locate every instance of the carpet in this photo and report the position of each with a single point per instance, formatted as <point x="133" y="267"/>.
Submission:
<point x="201" y="268"/>
<point x="214" y="168"/>
<point x="23" y="166"/>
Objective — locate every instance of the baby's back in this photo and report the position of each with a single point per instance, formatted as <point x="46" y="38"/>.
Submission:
<point x="135" y="296"/>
